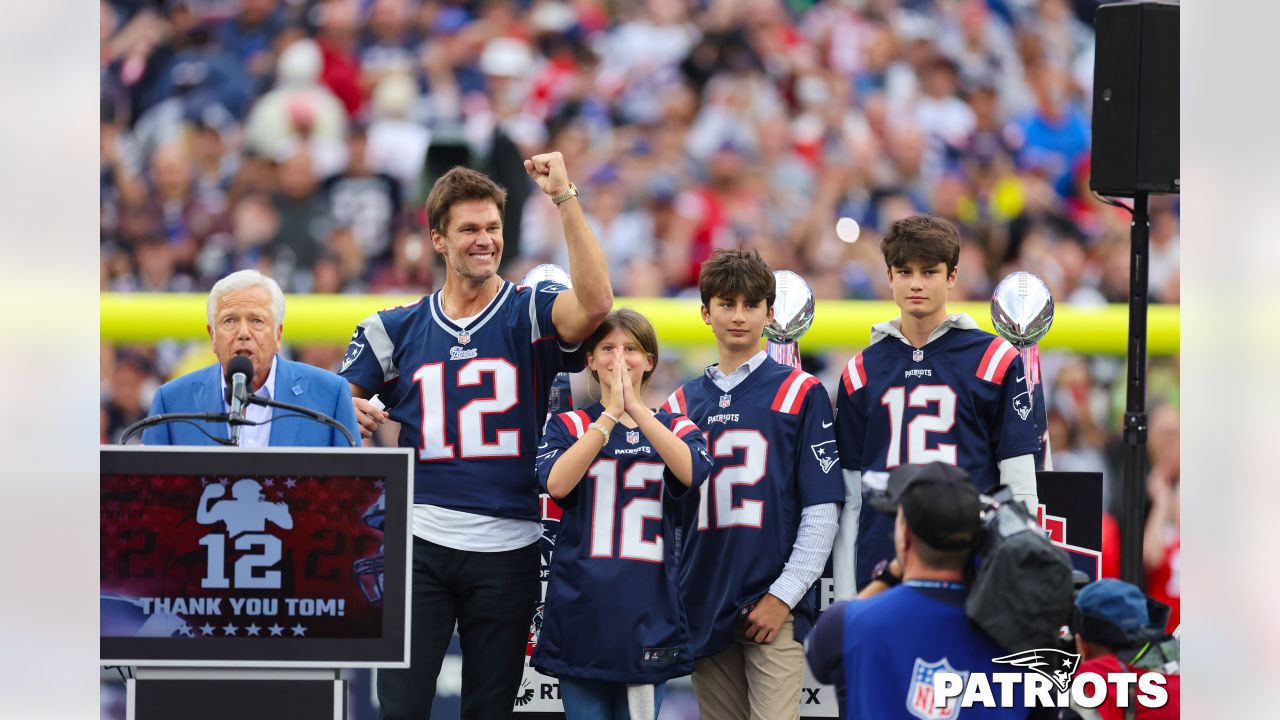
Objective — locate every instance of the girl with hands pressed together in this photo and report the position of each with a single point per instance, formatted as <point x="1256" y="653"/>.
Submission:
<point x="613" y="629"/>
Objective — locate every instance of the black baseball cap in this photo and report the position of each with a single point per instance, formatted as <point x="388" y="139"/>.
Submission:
<point x="938" y="502"/>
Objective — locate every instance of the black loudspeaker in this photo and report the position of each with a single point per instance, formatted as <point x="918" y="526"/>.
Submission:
<point x="1135" y="99"/>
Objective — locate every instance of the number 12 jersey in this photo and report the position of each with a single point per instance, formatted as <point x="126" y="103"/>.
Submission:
<point x="471" y="399"/>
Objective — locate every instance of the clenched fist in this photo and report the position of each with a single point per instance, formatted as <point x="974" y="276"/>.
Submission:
<point x="548" y="171"/>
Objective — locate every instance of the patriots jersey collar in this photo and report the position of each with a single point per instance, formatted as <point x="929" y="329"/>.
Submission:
<point x="459" y="332"/>
<point x="893" y="328"/>
<point x="735" y="378"/>
<point x="937" y="339"/>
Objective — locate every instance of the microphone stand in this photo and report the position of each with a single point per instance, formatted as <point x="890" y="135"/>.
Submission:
<point x="153" y="420"/>
<point x="307" y="412"/>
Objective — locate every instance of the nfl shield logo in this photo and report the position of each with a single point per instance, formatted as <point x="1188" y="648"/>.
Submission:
<point x="920" y="691"/>
<point x="725" y="400"/>
<point x="464" y="337"/>
<point x="917" y="354"/>
<point x="633" y="436"/>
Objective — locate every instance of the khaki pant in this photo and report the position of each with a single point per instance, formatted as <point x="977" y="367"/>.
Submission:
<point x="750" y="681"/>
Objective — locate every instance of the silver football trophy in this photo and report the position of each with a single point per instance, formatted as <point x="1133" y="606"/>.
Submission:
<point x="1022" y="312"/>
<point x="560" y="398"/>
<point x="792" y="317"/>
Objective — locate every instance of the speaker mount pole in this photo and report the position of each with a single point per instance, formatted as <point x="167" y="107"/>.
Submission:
<point x="1132" y="513"/>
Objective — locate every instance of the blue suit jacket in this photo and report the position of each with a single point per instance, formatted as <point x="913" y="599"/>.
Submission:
<point x="296" y="383"/>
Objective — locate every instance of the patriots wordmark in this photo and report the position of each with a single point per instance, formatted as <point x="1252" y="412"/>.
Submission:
<point x="1046" y="670"/>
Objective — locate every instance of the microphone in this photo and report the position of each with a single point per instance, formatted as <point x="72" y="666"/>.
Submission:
<point x="239" y="370"/>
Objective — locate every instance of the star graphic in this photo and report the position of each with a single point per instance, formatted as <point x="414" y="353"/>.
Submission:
<point x="378" y="484"/>
<point x="290" y="483"/>
<point x="298" y="629"/>
<point x="224" y="481"/>
<point x="185" y="630"/>
<point x="252" y="629"/>
<point x="206" y="629"/>
<point x="1066" y="662"/>
<point x="268" y="482"/>
<point x="276" y="629"/>
<point x="229" y="629"/>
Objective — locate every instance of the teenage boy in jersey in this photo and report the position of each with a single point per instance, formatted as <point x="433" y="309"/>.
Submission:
<point x="466" y="372"/>
<point x="757" y="535"/>
<point x="930" y="387"/>
<point x="881" y="650"/>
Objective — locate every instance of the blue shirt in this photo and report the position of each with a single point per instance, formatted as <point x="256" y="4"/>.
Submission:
<point x="881" y="653"/>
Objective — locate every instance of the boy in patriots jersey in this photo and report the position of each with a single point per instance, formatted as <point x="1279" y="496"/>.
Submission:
<point x="756" y="537"/>
<point x="613" y="628"/>
<point x="930" y="387"/>
<point x="467" y="370"/>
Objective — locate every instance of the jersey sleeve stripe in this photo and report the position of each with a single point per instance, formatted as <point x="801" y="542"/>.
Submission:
<point x="683" y="426"/>
<point x="1005" y="361"/>
<point x="854" y="375"/>
<point x="573" y="422"/>
<point x="996" y="360"/>
<point x="375" y="334"/>
<point x="675" y="402"/>
<point x="791" y="394"/>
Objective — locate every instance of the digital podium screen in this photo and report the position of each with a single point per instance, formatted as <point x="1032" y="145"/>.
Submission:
<point x="254" y="557"/>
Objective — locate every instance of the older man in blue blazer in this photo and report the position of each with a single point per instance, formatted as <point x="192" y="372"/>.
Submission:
<point x="246" y="317"/>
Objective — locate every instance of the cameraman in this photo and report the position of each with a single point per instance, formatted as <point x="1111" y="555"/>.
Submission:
<point x="1120" y="630"/>
<point x="883" y="647"/>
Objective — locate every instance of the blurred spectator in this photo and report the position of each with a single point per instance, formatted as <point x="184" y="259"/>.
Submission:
<point x="397" y="145"/>
<point x="1162" y="545"/>
<point x="368" y="202"/>
<point x="127" y="398"/>
<point x="338" y="37"/>
<point x="250" y="36"/>
<point x="299" y="111"/>
<point x="1055" y="134"/>
<point x="304" y="222"/>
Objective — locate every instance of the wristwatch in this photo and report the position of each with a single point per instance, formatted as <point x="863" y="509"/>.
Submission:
<point x="571" y="192"/>
<point x="884" y="574"/>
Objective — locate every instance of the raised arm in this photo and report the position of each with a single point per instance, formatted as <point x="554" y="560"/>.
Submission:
<point x="579" y="310"/>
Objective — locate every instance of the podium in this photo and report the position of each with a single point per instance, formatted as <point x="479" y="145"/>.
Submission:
<point x="238" y="582"/>
<point x="220" y="693"/>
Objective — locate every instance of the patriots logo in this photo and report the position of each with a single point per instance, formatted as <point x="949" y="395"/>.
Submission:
<point x="353" y="351"/>
<point x="920" y="701"/>
<point x="1022" y="404"/>
<point x="1057" y="665"/>
<point x="825" y="453"/>
<point x="553" y="288"/>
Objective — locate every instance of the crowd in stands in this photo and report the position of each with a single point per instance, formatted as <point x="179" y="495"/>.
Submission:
<point x="301" y="137"/>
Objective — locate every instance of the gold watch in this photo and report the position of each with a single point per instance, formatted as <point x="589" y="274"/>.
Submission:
<point x="571" y="192"/>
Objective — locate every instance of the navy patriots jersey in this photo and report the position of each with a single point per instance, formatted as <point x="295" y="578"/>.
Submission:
<point x="963" y="402"/>
<point x="612" y="609"/>
<point x="774" y="453"/>
<point x="472" y="400"/>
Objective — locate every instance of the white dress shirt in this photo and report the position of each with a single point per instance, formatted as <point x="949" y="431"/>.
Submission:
<point x="255" y="435"/>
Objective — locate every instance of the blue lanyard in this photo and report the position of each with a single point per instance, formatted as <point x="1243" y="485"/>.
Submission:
<point x="934" y="584"/>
